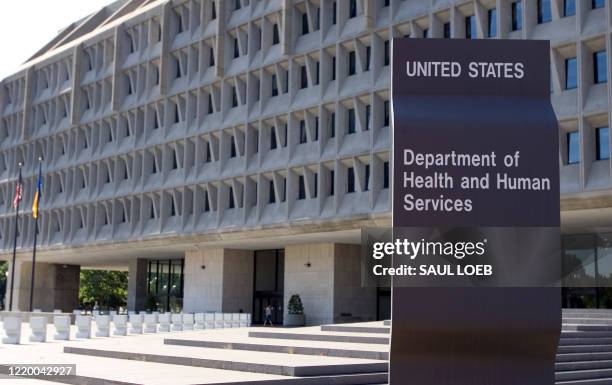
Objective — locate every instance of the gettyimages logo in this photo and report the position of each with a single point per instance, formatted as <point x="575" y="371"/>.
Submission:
<point x="412" y="249"/>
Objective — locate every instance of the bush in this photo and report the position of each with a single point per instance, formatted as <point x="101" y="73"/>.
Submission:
<point x="295" y="305"/>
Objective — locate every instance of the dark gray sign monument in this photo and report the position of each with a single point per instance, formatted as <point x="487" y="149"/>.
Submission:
<point x="475" y="296"/>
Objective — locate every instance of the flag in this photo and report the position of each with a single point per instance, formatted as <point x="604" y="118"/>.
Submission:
<point x="18" y="192"/>
<point x="38" y="194"/>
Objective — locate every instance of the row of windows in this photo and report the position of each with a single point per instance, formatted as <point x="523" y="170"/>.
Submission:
<point x="602" y="145"/>
<point x="600" y="70"/>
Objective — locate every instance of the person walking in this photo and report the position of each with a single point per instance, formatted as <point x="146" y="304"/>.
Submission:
<point x="268" y="312"/>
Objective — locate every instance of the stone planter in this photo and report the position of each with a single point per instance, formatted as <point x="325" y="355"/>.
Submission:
<point x="295" y="320"/>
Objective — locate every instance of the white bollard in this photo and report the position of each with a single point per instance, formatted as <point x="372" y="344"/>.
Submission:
<point x="62" y="327"/>
<point x="83" y="324"/>
<point x="36" y="311"/>
<point x="199" y="321"/>
<point x="227" y="320"/>
<point x="76" y="312"/>
<point x="120" y="322"/>
<point x="12" y="330"/>
<point x="38" y="325"/>
<point x="235" y="320"/>
<point x="56" y="311"/>
<point x="136" y="323"/>
<point x="112" y="312"/>
<point x="218" y="320"/>
<point x="177" y="322"/>
<point x="188" y="321"/>
<point x="102" y="326"/>
<point x="164" y="322"/>
<point x="244" y="320"/>
<point x="150" y="323"/>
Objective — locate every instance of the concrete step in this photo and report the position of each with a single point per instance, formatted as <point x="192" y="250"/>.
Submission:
<point x="585" y="341"/>
<point x="356" y="329"/>
<point x="583" y="365"/>
<point x="587" y="320"/>
<point x="583" y="374"/>
<point x="348" y="379"/>
<point x="588" y="356"/>
<point x="586" y="328"/>
<point x="210" y="358"/>
<point x="597" y="381"/>
<point x="586" y="334"/>
<point x="321" y="337"/>
<point x="286" y="349"/>
<point x="566" y="349"/>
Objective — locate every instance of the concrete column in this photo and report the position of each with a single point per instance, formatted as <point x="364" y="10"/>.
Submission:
<point x="55" y="287"/>
<point x="327" y="277"/>
<point x="218" y="280"/>
<point x="137" y="285"/>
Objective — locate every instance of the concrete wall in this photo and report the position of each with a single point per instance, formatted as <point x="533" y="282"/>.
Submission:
<point x="238" y="281"/>
<point x="314" y="284"/>
<point x="218" y="280"/>
<point x="330" y="288"/>
<point x="137" y="284"/>
<point x="55" y="286"/>
<point x="351" y="301"/>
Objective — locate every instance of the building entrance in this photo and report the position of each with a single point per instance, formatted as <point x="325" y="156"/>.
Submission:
<point x="269" y="277"/>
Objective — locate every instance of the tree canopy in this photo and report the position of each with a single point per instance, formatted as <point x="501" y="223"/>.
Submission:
<point x="107" y="287"/>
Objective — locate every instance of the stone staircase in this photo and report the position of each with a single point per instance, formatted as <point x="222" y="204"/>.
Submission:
<point x="347" y="354"/>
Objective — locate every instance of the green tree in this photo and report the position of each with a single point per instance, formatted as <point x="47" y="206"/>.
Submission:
<point x="109" y="288"/>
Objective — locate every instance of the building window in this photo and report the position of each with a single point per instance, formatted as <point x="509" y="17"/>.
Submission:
<point x="237" y="5"/>
<point x="386" y="175"/>
<point x="598" y="3"/>
<point x="351" y="121"/>
<point x="334" y="12"/>
<point x="447" y="30"/>
<point x="315" y="191"/>
<point x="316" y="136"/>
<point x="332" y="177"/>
<point x="332" y="125"/>
<point x="492" y="29"/>
<point x="352" y="8"/>
<point x="274" y="86"/>
<point x="386" y="110"/>
<point x="425" y="33"/>
<point x="211" y="54"/>
<point x="573" y="147"/>
<point x="206" y="204"/>
<point x="367" y="117"/>
<point x="273" y="144"/>
<point x="275" y="35"/>
<point x="352" y="63"/>
<point x="603" y="143"/>
<point x="304" y="24"/>
<point x="213" y="11"/>
<point x="234" y="97"/>
<point x="368" y="55"/>
<point x="571" y="71"/>
<point x="301" y="188"/>
<point x="236" y="48"/>
<point x="517" y="16"/>
<point x="333" y="69"/>
<point x="232" y="147"/>
<point x="366" y="183"/>
<point x="316" y="82"/>
<point x="544" y="11"/>
<point x="350" y="180"/>
<point x="600" y="66"/>
<point x="271" y="193"/>
<point x="231" y="204"/>
<point x="303" y="77"/>
<point x="387" y="53"/>
<point x="569" y="8"/>
<point x="303" y="138"/>
<point x="470" y="27"/>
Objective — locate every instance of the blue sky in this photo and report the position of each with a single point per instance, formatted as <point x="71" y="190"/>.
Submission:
<point x="26" y="25"/>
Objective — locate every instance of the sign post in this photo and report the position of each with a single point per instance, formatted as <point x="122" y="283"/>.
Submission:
<point x="475" y="214"/>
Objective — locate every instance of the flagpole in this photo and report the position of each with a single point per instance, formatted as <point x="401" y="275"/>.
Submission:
<point x="18" y="200"/>
<point x="35" y="233"/>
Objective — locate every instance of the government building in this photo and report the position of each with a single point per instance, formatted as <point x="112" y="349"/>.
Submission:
<point x="227" y="153"/>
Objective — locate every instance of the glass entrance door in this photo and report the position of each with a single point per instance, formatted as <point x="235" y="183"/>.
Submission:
<point x="268" y="285"/>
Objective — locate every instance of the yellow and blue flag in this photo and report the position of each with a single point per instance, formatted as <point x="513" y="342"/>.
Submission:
<point x="38" y="194"/>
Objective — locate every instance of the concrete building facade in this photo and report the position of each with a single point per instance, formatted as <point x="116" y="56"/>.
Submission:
<point x="227" y="153"/>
